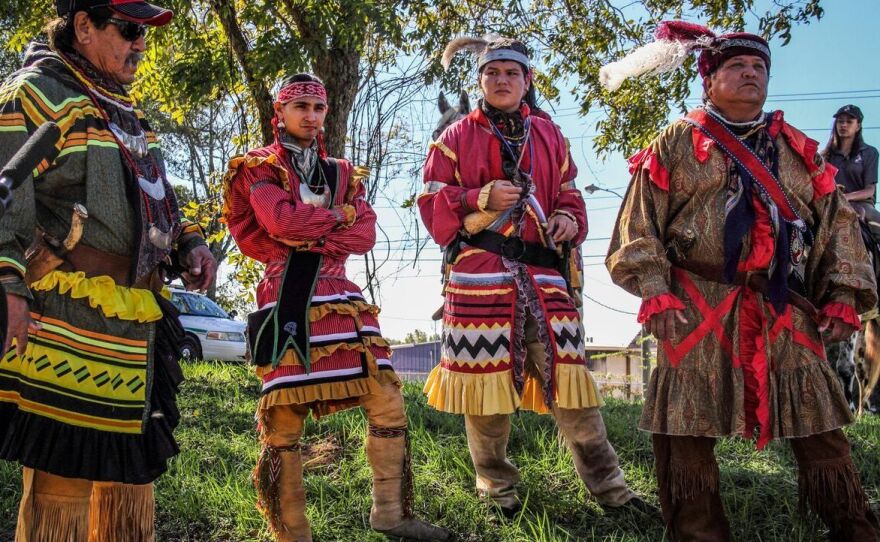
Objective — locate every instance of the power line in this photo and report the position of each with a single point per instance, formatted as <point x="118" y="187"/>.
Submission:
<point x="609" y="307"/>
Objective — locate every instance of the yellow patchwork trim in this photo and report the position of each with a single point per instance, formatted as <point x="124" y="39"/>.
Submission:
<point x="447" y="152"/>
<point x="540" y="226"/>
<point x="359" y="175"/>
<point x="564" y="169"/>
<point x="470" y="251"/>
<point x="102" y="292"/>
<point x="553" y="290"/>
<point x="235" y="165"/>
<point x="498" y="291"/>
<point x="354" y="308"/>
<point x="494" y="362"/>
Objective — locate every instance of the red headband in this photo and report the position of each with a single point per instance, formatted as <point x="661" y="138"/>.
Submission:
<point x="304" y="89"/>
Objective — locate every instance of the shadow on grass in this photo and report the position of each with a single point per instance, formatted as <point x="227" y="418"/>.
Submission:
<point x="207" y="493"/>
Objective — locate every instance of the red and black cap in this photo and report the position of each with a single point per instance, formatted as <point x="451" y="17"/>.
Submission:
<point x="141" y="12"/>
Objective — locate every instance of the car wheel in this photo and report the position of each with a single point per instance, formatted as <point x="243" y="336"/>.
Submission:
<point x="190" y="349"/>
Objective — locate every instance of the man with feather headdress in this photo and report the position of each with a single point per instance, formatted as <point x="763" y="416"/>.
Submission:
<point x="744" y="253"/>
<point x="500" y="198"/>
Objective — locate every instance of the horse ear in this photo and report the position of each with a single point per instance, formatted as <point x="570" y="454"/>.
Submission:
<point x="442" y="103"/>
<point x="464" y="103"/>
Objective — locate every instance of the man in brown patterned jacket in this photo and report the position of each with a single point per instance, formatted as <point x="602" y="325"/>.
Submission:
<point x="744" y="254"/>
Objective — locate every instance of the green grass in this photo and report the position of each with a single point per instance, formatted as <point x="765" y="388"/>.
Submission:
<point x="207" y="493"/>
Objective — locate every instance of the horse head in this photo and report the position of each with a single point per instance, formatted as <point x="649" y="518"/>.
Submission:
<point x="449" y="114"/>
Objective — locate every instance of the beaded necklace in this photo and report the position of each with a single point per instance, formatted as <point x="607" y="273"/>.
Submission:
<point x="148" y="189"/>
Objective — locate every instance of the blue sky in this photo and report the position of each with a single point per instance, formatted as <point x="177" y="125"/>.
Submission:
<point x="826" y="65"/>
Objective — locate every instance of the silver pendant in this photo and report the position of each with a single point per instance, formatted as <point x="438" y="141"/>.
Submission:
<point x="159" y="238"/>
<point x="154" y="189"/>
<point x="318" y="200"/>
<point x="136" y="144"/>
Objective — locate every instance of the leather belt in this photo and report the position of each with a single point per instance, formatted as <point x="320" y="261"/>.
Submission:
<point x="93" y="262"/>
<point x="514" y="248"/>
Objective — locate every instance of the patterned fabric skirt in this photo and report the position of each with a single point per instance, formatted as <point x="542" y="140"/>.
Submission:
<point x="349" y="356"/>
<point x="76" y="404"/>
<point x="478" y="364"/>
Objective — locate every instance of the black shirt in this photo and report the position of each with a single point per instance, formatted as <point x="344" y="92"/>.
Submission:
<point x="857" y="171"/>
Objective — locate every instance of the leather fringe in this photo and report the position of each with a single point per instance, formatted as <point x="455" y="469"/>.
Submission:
<point x="407" y="496"/>
<point x="687" y="481"/>
<point x="122" y="513"/>
<point x="56" y="519"/>
<point x="828" y="486"/>
<point x="267" y="477"/>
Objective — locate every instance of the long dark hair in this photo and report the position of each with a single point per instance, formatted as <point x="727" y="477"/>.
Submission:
<point x="834" y="141"/>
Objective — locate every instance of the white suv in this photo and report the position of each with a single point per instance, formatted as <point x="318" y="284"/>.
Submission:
<point x="210" y="332"/>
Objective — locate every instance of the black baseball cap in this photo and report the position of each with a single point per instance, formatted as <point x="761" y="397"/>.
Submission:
<point x="141" y="12"/>
<point x="851" y="110"/>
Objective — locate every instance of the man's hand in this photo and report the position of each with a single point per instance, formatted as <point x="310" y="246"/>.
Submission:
<point x="201" y="268"/>
<point x="840" y="330"/>
<point x="20" y="322"/>
<point x="503" y="196"/>
<point x="662" y="324"/>
<point x="561" y="228"/>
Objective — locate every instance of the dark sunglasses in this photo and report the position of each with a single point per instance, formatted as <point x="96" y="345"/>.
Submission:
<point x="129" y="31"/>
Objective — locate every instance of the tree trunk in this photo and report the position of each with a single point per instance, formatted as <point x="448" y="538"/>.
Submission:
<point x="256" y="86"/>
<point x="338" y="68"/>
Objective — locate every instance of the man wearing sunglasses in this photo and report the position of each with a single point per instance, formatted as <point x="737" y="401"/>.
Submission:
<point x="89" y="376"/>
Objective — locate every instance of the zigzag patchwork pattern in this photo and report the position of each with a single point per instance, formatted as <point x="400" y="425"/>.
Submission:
<point x="476" y="344"/>
<point x="569" y="337"/>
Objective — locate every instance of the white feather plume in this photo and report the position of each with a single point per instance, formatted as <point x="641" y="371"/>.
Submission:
<point x="656" y="57"/>
<point x="472" y="44"/>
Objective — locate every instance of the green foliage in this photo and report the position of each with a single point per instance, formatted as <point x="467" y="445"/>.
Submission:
<point x="207" y="495"/>
<point x="206" y="78"/>
<point x="191" y="62"/>
<point x="572" y="40"/>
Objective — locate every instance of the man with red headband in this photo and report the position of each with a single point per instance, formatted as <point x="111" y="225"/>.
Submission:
<point x="88" y="387"/>
<point x="500" y="198"/>
<point x="315" y="339"/>
<point x="744" y="254"/>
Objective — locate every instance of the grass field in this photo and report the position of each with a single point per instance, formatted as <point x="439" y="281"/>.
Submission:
<point x="207" y="494"/>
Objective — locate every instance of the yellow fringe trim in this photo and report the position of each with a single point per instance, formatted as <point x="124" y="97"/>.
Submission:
<point x="353" y="308"/>
<point x="468" y="393"/>
<point x="494" y="393"/>
<point x="102" y="292"/>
